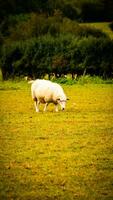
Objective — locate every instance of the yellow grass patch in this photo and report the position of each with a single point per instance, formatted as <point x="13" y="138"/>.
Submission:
<point x="64" y="155"/>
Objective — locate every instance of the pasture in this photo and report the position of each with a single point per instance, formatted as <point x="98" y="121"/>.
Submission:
<point x="103" y="26"/>
<point x="63" y="156"/>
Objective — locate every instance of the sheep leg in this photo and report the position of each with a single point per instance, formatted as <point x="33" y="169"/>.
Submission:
<point x="56" y="107"/>
<point x="36" y="103"/>
<point x="45" y="107"/>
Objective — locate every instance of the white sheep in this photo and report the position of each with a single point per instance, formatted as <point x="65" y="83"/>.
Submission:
<point x="45" y="91"/>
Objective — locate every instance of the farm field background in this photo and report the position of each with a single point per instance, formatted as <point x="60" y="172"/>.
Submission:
<point x="103" y="26"/>
<point x="66" y="155"/>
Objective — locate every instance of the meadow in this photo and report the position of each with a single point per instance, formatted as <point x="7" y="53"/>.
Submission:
<point x="103" y="26"/>
<point x="63" y="156"/>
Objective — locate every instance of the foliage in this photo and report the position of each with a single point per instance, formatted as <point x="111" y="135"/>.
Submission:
<point x="82" y="80"/>
<point x="93" y="80"/>
<point x="84" y="10"/>
<point x="42" y="37"/>
<point x="59" y="55"/>
<point x="35" y="25"/>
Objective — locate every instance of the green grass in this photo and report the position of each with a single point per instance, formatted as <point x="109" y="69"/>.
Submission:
<point x="66" y="155"/>
<point x="82" y="80"/>
<point x="103" y="26"/>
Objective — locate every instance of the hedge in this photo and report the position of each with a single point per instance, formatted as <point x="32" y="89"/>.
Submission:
<point x="59" y="55"/>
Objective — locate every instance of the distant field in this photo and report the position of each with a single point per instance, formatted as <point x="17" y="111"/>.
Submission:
<point x="102" y="26"/>
<point x="63" y="156"/>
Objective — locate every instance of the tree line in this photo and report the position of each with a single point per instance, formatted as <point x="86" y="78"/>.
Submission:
<point x="41" y="37"/>
<point x="82" y="10"/>
<point x="59" y="55"/>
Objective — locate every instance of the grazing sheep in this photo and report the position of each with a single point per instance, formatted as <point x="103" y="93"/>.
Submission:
<point x="45" y="91"/>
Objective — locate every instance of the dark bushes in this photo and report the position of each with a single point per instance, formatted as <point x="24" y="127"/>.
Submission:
<point x="61" y="55"/>
<point x="34" y="25"/>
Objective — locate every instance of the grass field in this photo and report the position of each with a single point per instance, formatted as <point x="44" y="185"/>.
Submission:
<point x="103" y="26"/>
<point x="63" y="156"/>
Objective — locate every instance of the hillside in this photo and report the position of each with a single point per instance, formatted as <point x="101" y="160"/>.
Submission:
<point x="103" y="26"/>
<point x="60" y="37"/>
